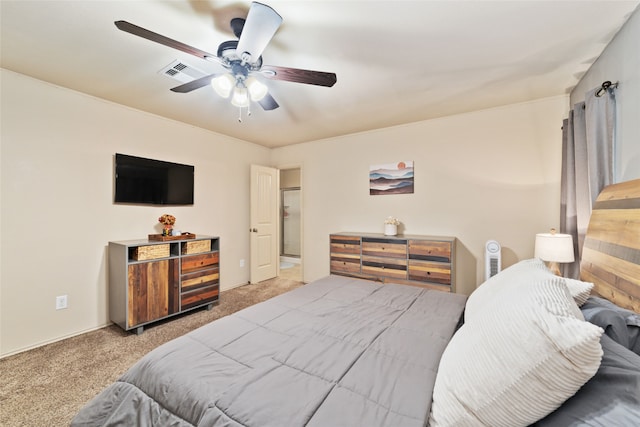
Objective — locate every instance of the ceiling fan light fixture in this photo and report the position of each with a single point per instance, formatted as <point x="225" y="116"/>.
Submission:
<point x="240" y="58"/>
<point x="223" y="84"/>
<point x="240" y="97"/>
<point x="257" y="90"/>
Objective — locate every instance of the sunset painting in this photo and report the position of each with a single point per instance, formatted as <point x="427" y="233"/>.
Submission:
<point x="391" y="178"/>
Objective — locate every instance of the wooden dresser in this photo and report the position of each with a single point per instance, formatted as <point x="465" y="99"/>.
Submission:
<point x="151" y="280"/>
<point x="426" y="261"/>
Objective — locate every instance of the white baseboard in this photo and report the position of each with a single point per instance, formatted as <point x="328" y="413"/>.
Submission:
<point x="40" y="344"/>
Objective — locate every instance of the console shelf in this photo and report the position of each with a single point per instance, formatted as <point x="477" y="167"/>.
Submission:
<point x="153" y="280"/>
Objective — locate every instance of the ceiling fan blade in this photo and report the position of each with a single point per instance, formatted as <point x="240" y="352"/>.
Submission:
<point x="194" y="84"/>
<point x="268" y="103"/>
<point x="261" y="24"/>
<point x="319" y="78"/>
<point x="237" y="24"/>
<point x="155" y="37"/>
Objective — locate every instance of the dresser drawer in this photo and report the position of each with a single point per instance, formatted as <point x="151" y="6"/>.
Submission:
<point x="433" y="272"/>
<point x="430" y="250"/>
<point x="197" y="262"/>
<point x="388" y="248"/>
<point x="345" y="263"/>
<point x="199" y="279"/>
<point x="344" y="248"/>
<point x="199" y="296"/>
<point x="345" y="244"/>
<point x="384" y="267"/>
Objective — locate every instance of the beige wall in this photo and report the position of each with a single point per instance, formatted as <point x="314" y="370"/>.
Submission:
<point x="620" y="62"/>
<point x="491" y="174"/>
<point x="57" y="214"/>
<point x="486" y="175"/>
<point x="289" y="178"/>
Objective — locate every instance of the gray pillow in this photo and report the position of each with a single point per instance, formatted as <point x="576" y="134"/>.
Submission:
<point x="610" y="398"/>
<point x="622" y="326"/>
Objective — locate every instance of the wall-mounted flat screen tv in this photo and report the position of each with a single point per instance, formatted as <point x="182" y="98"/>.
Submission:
<point x="147" y="181"/>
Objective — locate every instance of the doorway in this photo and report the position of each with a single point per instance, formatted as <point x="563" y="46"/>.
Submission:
<point x="290" y="221"/>
<point x="290" y="224"/>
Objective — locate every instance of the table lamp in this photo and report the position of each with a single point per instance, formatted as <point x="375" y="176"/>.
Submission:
<point x="554" y="248"/>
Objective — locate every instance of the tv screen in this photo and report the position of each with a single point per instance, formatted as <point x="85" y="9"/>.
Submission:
<point x="140" y="180"/>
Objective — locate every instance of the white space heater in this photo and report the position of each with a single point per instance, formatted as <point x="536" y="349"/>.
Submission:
<point x="493" y="259"/>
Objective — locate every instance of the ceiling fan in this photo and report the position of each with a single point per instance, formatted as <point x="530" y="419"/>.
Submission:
<point x="242" y="60"/>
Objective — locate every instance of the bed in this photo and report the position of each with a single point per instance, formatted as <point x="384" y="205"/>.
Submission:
<point x="526" y="348"/>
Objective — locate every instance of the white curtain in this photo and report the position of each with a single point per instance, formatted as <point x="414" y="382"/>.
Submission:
<point x="587" y="164"/>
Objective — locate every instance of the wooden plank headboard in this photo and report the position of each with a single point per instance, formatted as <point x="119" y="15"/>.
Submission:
<point x="611" y="251"/>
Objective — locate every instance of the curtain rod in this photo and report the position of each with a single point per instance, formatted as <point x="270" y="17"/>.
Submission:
<point x="605" y="85"/>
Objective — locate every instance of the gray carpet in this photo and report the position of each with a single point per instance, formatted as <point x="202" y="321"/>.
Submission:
<point x="46" y="386"/>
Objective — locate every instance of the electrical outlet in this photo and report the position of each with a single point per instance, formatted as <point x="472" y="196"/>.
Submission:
<point x="241" y="263"/>
<point x="61" y="302"/>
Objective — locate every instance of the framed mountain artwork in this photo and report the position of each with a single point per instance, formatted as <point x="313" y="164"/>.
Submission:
<point x="391" y="178"/>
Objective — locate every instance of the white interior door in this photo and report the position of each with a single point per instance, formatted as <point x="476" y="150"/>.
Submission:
<point x="264" y="223"/>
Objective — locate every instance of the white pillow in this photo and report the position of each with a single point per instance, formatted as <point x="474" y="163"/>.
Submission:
<point x="579" y="290"/>
<point x="516" y="363"/>
<point x="520" y="273"/>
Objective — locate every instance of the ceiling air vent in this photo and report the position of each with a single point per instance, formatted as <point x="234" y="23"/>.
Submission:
<point x="181" y="72"/>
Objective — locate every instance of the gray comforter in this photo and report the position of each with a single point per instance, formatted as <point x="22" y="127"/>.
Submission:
<point x="335" y="352"/>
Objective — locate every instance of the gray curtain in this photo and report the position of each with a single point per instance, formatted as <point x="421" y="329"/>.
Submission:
<point x="587" y="165"/>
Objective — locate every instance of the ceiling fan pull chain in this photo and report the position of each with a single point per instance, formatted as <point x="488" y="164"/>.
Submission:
<point x="239" y="114"/>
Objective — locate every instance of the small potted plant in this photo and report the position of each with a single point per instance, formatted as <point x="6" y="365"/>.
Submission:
<point x="167" y="222"/>
<point x="391" y="226"/>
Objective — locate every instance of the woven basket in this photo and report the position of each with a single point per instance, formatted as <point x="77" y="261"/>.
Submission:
<point x="143" y="253"/>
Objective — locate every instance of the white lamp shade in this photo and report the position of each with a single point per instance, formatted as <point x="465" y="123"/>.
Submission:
<point x="223" y="84"/>
<point x="240" y="97"/>
<point x="257" y="90"/>
<point x="554" y="247"/>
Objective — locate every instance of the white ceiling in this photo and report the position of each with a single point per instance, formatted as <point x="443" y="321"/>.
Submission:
<point x="396" y="61"/>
